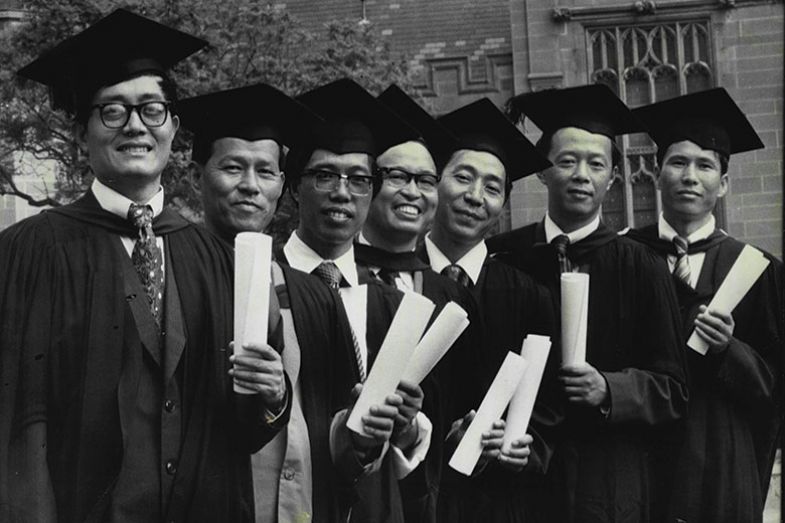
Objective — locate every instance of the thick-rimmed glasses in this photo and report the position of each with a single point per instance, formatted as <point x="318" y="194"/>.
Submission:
<point x="327" y="181"/>
<point x="399" y="178"/>
<point x="115" y="115"/>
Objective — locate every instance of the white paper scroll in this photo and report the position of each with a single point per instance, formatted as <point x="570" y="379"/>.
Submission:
<point x="574" y="316"/>
<point x="742" y="276"/>
<point x="253" y="256"/>
<point x="404" y="333"/>
<point x="535" y="351"/>
<point x="491" y="409"/>
<point x="442" y="333"/>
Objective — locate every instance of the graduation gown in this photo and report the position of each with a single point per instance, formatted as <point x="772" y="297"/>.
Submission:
<point x="723" y="458"/>
<point x="448" y="394"/>
<point x="512" y="305"/>
<point x="376" y="496"/>
<point x="72" y="342"/>
<point x="601" y="470"/>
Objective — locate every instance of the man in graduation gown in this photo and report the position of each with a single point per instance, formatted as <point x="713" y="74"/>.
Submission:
<point x="402" y="209"/>
<point x="117" y="398"/>
<point x="633" y="381"/>
<point x="238" y="159"/>
<point x="723" y="459"/>
<point x="331" y="178"/>
<point x="489" y="154"/>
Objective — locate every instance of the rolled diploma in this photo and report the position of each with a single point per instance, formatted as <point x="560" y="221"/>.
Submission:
<point x="742" y="276"/>
<point x="253" y="257"/>
<point x="442" y="333"/>
<point x="405" y="331"/>
<point x="574" y="315"/>
<point x="491" y="409"/>
<point x="535" y="351"/>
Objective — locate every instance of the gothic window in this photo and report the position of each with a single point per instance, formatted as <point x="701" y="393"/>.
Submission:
<point x="643" y="64"/>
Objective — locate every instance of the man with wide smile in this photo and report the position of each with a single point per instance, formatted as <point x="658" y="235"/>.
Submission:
<point x="735" y="417"/>
<point x="489" y="153"/>
<point x="118" y="401"/>
<point x="633" y="381"/>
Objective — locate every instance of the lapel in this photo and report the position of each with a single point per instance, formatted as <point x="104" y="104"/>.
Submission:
<point x="174" y="327"/>
<point x="136" y="299"/>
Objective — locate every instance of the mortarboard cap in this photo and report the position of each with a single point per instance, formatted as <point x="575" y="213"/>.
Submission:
<point x="710" y="119"/>
<point x="481" y="126"/>
<point x="439" y="140"/>
<point x="253" y="112"/>
<point x="355" y="121"/>
<point x="117" y="47"/>
<point x="593" y="108"/>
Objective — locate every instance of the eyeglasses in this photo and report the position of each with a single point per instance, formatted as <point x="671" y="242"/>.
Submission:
<point x="115" y="115"/>
<point x="326" y="181"/>
<point x="399" y="178"/>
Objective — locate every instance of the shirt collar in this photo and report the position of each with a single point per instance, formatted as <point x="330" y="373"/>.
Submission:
<point x="301" y="257"/>
<point x="117" y="204"/>
<point x="668" y="233"/>
<point x="471" y="262"/>
<point x="552" y="230"/>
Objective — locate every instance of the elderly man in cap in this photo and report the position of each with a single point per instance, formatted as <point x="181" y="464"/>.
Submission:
<point x="723" y="458"/>
<point x="238" y="159"/>
<point x="488" y="154"/>
<point x="633" y="380"/>
<point x="331" y="178"/>
<point x="116" y="316"/>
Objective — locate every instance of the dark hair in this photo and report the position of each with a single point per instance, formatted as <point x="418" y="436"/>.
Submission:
<point x="298" y="158"/>
<point x="546" y="141"/>
<point x="85" y="98"/>
<point x="507" y="178"/>
<point x="723" y="158"/>
<point x="202" y="150"/>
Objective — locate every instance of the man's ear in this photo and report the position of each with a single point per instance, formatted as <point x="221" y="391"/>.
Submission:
<point x="196" y="171"/>
<point x="614" y="175"/>
<point x="543" y="178"/>
<point x="175" y="122"/>
<point x="724" y="182"/>
<point x="80" y="132"/>
<point x="657" y="179"/>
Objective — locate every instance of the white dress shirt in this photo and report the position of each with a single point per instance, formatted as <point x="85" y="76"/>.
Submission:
<point x="667" y="233"/>
<point x="552" y="230"/>
<point x="471" y="262"/>
<point x="355" y="300"/>
<point x="403" y="282"/>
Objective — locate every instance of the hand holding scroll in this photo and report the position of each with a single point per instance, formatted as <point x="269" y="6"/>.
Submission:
<point x="583" y="384"/>
<point x="258" y="368"/>
<point x="405" y="430"/>
<point x="715" y="328"/>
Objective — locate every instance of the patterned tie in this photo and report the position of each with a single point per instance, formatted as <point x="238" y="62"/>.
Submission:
<point x="147" y="258"/>
<point x="330" y="274"/>
<point x="387" y="276"/>
<point x="456" y="273"/>
<point x="682" y="267"/>
<point x="560" y="243"/>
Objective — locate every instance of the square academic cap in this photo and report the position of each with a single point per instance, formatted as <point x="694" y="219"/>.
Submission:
<point x="481" y="126"/>
<point x="593" y="108"/>
<point x="117" y="47"/>
<point x="355" y="121"/>
<point x="253" y="112"/>
<point x="439" y="140"/>
<point x="710" y="119"/>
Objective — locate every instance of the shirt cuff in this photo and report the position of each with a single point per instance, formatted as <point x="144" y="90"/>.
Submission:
<point x="405" y="461"/>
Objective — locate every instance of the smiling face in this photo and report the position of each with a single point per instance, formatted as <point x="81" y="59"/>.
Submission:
<point x="134" y="155"/>
<point x="471" y="197"/>
<point x="581" y="175"/>
<point x="240" y="185"/>
<point x="399" y="215"/>
<point x="329" y="220"/>
<point x="691" y="181"/>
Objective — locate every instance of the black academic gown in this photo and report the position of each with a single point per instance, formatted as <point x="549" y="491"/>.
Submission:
<point x="447" y="394"/>
<point x="602" y="467"/>
<point x="512" y="305"/>
<point x="69" y="340"/>
<point x="723" y="458"/>
<point x="374" y="497"/>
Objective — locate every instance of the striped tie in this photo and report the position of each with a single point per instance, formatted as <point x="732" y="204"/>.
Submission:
<point x="682" y="267"/>
<point x="560" y="243"/>
<point x="331" y="275"/>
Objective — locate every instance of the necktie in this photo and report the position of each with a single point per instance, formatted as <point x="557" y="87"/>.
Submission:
<point x="147" y="258"/>
<point x="330" y="274"/>
<point x="682" y="267"/>
<point x="456" y="273"/>
<point x="387" y="276"/>
<point x="560" y="243"/>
